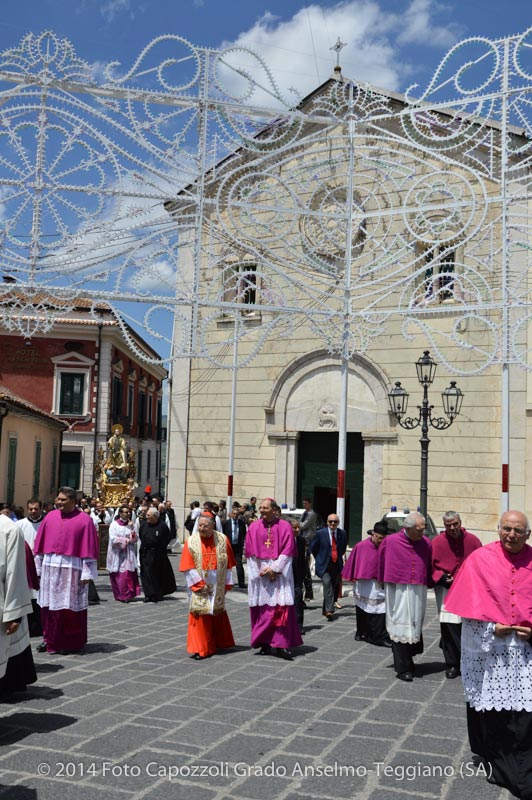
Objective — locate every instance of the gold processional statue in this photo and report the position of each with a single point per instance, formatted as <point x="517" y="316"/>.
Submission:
<point x="115" y="471"/>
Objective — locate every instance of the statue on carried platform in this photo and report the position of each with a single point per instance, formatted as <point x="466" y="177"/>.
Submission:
<point x="116" y="464"/>
<point x="114" y="473"/>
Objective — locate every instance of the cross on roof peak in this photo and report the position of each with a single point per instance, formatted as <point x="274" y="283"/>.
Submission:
<point x="338" y="47"/>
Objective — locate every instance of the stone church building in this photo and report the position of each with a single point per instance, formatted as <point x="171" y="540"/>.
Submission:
<point x="426" y="269"/>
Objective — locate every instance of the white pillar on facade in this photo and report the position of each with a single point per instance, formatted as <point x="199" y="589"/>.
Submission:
<point x="179" y="403"/>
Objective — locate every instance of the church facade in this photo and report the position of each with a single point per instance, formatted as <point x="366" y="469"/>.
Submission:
<point x="423" y="270"/>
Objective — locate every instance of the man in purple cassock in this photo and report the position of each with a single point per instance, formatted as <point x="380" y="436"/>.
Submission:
<point x="361" y="568"/>
<point x="449" y="551"/>
<point x="405" y="570"/>
<point x="270" y="547"/>
<point x="492" y="594"/>
<point x="66" y="552"/>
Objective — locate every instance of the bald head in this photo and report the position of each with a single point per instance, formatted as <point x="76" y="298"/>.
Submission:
<point x="267" y="509"/>
<point x="514" y="530"/>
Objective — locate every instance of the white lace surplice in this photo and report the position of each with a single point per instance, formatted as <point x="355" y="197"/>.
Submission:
<point x="263" y="591"/>
<point x="121" y="554"/>
<point x="60" y="578"/>
<point x="369" y="597"/>
<point x="405" y="611"/>
<point x="496" y="672"/>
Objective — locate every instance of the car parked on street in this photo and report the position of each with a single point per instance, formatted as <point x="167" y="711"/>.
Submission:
<point x="395" y="520"/>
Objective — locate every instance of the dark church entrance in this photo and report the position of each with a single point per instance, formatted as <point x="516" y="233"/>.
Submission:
<point x="317" y="462"/>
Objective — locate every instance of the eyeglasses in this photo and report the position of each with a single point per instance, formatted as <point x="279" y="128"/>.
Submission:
<point x="333" y="521"/>
<point x="510" y="528"/>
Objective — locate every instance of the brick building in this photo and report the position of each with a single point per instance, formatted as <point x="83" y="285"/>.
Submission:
<point x="88" y="376"/>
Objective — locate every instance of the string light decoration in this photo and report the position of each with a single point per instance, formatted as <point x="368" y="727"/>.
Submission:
<point x="206" y="206"/>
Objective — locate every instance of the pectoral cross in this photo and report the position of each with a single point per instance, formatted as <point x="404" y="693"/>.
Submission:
<point x="268" y="542"/>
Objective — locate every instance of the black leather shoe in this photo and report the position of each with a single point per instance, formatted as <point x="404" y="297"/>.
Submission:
<point x="284" y="652"/>
<point x="265" y="650"/>
<point x="452" y="672"/>
<point x="387" y="643"/>
<point x="359" y="637"/>
<point x="405" y="676"/>
<point x="197" y="657"/>
<point x="41" y="648"/>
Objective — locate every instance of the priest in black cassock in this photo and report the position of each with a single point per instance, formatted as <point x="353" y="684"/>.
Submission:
<point x="156" y="573"/>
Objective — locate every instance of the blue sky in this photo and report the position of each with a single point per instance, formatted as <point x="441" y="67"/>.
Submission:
<point x="390" y="43"/>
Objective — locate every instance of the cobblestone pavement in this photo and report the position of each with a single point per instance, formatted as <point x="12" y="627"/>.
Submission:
<point x="134" y="717"/>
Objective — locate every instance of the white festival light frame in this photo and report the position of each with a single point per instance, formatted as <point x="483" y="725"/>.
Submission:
<point x="186" y="190"/>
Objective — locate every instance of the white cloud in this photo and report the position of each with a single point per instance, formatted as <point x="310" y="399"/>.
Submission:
<point x="112" y="8"/>
<point x="298" y="50"/>
<point x="158" y="277"/>
<point x="5" y="194"/>
<point x="419" y="27"/>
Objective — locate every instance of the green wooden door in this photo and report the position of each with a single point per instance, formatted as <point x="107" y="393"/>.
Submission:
<point x="70" y="471"/>
<point x="317" y="463"/>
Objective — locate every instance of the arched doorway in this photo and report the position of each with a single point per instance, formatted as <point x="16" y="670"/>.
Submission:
<point x="302" y="421"/>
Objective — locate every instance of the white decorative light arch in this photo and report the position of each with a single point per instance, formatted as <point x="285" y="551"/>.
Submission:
<point x="363" y="211"/>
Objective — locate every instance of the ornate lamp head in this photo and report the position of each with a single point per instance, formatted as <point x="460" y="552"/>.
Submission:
<point x="452" y="398"/>
<point x="398" y="399"/>
<point x="426" y="369"/>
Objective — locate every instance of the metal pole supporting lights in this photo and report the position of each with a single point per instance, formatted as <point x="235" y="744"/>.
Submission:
<point x="452" y="399"/>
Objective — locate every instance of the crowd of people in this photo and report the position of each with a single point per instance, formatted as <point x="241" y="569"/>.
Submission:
<point x="55" y="548"/>
<point x="484" y="601"/>
<point x="483" y="597"/>
<point x="484" y="594"/>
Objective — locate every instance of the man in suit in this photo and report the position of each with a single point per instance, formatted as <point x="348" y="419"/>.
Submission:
<point x="170" y="518"/>
<point x="328" y="548"/>
<point x="168" y="515"/>
<point x="235" y="530"/>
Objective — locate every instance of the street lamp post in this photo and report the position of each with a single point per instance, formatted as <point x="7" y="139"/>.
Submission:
<point x="452" y="399"/>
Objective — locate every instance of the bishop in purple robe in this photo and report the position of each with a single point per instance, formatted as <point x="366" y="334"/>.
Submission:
<point x="361" y="568"/>
<point x="492" y="593"/>
<point x="449" y="551"/>
<point x="405" y="570"/>
<point x="66" y="552"/>
<point x="270" y="548"/>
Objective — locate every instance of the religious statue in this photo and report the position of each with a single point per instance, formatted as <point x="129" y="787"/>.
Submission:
<point x="114" y="472"/>
<point x="116" y="464"/>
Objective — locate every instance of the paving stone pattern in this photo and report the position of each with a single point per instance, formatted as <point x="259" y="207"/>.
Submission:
<point x="134" y="718"/>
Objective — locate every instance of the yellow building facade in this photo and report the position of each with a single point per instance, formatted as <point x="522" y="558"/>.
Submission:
<point x="373" y="232"/>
